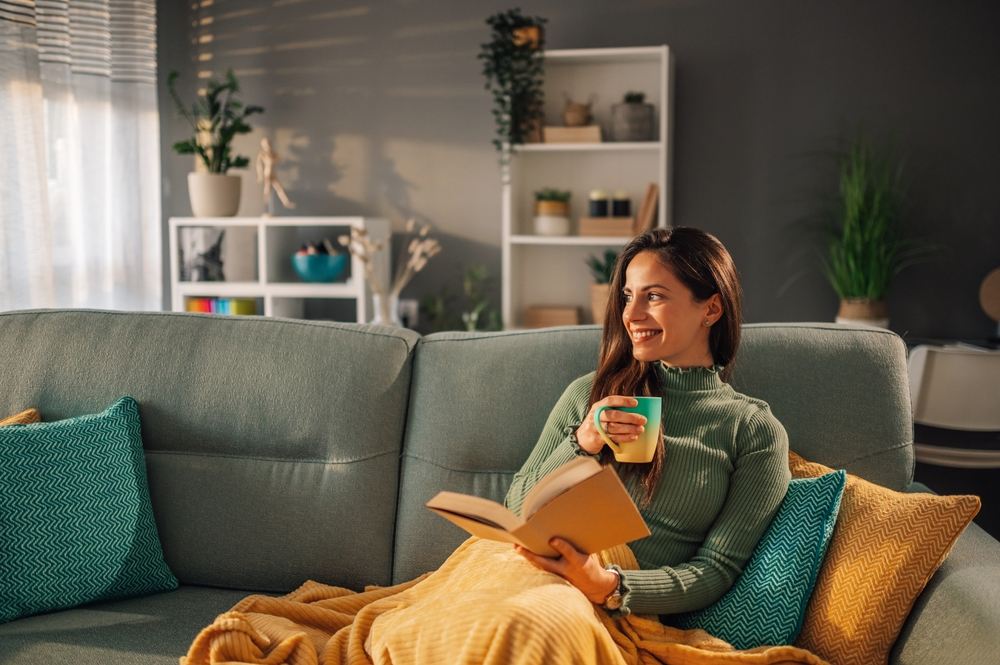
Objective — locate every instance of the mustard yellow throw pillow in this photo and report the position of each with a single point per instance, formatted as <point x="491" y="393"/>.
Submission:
<point x="26" y="417"/>
<point x="884" y="549"/>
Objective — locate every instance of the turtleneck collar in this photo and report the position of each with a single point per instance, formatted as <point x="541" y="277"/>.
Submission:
<point x="692" y="378"/>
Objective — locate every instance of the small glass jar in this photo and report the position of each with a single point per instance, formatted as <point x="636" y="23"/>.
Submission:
<point x="598" y="203"/>
<point x="621" y="204"/>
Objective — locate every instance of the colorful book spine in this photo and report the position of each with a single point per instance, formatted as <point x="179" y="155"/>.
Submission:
<point x="239" y="306"/>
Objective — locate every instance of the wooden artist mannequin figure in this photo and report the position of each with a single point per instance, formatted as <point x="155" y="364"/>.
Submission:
<point x="266" y="159"/>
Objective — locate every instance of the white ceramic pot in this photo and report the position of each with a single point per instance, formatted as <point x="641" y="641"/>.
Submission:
<point x="214" y="194"/>
<point x="551" y="225"/>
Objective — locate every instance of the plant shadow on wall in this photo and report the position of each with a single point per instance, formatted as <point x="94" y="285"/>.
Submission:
<point x="313" y="175"/>
<point x="861" y="238"/>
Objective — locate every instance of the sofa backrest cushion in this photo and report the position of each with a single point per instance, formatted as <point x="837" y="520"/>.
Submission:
<point x="272" y="446"/>
<point x="479" y="401"/>
<point x="841" y="392"/>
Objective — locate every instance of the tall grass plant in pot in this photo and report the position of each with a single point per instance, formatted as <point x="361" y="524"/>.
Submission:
<point x="216" y="119"/>
<point x="601" y="269"/>
<point x="864" y="245"/>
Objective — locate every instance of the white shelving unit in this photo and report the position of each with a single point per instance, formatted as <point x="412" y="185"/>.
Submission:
<point x="550" y="270"/>
<point x="279" y="290"/>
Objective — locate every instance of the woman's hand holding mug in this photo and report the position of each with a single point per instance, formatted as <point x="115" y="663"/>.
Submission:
<point x="621" y="426"/>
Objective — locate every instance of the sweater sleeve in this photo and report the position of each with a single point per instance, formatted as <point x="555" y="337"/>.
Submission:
<point x="757" y="487"/>
<point x="557" y="444"/>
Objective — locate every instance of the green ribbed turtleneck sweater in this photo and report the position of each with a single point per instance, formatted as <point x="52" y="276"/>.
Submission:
<point x="725" y="474"/>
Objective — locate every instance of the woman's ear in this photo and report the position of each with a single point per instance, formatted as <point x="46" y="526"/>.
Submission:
<point x="714" y="309"/>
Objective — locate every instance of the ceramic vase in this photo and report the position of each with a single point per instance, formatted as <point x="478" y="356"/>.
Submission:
<point x="863" y="312"/>
<point x="386" y="311"/>
<point x="633" y="122"/>
<point x="551" y="218"/>
<point x="214" y="194"/>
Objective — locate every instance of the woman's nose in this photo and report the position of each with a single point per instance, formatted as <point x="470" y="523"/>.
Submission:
<point x="633" y="312"/>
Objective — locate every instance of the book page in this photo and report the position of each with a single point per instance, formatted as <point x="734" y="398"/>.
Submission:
<point x="477" y="508"/>
<point x="557" y="482"/>
<point x="478" y="528"/>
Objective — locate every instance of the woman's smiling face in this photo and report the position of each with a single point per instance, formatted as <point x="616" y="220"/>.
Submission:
<point x="662" y="317"/>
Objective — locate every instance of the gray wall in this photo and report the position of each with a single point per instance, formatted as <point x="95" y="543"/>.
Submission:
<point x="379" y="109"/>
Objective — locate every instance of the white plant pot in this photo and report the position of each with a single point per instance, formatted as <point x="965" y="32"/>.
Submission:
<point x="214" y="194"/>
<point x="551" y="225"/>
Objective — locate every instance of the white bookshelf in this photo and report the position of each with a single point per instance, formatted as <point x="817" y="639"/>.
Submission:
<point x="550" y="270"/>
<point x="272" y="241"/>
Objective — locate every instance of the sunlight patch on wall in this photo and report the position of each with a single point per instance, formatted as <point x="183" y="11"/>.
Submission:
<point x="439" y="186"/>
<point x="439" y="28"/>
<point x="341" y="13"/>
<point x="435" y="92"/>
<point x="352" y="158"/>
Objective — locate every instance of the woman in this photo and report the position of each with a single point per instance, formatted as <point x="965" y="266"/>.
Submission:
<point x="719" y="473"/>
<point x="720" y="470"/>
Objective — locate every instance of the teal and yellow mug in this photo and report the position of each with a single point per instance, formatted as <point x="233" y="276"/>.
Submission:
<point x="642" y="449"/>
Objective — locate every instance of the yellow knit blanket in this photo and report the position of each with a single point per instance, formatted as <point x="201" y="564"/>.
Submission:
<point x="485" y="605"/>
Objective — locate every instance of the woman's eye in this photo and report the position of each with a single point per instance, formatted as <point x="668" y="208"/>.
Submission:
<point x="654" y="296"/>
<point x="628" y="297"/>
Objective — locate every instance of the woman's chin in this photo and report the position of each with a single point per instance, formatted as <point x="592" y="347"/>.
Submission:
<point x="644" y="355"/>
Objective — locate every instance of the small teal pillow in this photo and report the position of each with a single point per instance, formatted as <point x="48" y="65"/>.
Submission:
<point x="76" y="523"/>
<point x="768" y="601"/>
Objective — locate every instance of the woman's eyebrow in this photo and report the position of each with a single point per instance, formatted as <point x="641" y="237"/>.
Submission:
<point x="651" y="286"/>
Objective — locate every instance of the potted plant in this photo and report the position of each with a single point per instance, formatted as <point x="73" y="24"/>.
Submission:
<point x="552" y="212"/>
<point x="601" y="269"/>
<point x="512" y="64"/>
<point x="864" y="246"/>
<point x="633" y="119"/>
<point x="216" y="118"/>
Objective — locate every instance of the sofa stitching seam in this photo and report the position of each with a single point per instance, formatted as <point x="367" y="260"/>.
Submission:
<point x="448" y="468"/>
<point x="258" y="458"/>
<point x="877" y="453"/>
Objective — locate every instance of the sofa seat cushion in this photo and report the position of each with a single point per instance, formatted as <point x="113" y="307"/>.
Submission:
<point x="151" y="630"/>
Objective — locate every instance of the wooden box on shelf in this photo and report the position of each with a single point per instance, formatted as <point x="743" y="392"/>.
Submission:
<point x="607" y="226"/>
<point x="545" y="317"/>
<point x="585" y="134"/>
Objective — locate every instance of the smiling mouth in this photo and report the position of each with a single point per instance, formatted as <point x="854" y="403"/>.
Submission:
<point x="639" y="336"/>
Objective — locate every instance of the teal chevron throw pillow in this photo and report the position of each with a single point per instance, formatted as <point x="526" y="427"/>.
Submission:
<point x="76" y="523"/>
<point x="768" y="602"/>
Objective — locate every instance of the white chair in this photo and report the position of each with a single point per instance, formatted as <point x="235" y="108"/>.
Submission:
<point x="956" y="388"/>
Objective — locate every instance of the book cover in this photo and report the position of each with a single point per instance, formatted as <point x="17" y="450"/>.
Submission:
<point x="581" y="502"/>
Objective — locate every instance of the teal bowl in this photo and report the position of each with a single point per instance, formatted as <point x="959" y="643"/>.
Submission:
<point x="319" y="267"/>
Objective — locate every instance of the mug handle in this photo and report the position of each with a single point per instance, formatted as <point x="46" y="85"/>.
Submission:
<point x="600" y="430"/>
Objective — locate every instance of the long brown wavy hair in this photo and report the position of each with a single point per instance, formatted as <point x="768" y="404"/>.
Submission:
<point x="700" y="262"/>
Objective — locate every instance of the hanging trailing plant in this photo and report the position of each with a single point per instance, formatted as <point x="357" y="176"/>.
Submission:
<point x="513" y="67"/>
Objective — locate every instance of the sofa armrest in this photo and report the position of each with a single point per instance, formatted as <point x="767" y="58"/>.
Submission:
<point x="957" y="617"/>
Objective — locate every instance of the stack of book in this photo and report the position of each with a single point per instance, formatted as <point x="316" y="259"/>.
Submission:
<point x="246" y="306"/>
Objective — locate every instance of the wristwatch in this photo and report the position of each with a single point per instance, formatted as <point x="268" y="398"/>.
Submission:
<point x="614" y="599"/>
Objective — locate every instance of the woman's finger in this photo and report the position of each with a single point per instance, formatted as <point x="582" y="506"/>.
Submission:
<point x="570" y="554"/>
<point x="542" y="562"/>
<point x="618" y="400"/>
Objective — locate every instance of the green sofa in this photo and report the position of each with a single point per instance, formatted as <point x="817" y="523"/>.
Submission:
<point x="279" y="451"/>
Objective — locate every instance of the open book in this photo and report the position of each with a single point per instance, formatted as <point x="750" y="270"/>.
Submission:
<point x="581" y="502"/>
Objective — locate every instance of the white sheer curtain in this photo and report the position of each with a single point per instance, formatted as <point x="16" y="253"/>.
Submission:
<point x="79" y="158"/>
